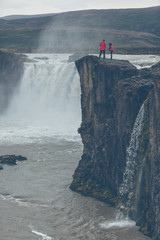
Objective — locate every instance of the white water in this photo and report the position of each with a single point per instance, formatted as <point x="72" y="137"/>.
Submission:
<point x="124" y="223"/>
<point x="139" y="61"/>
<point x="47" y="102"/>
<point x="43" y="236"/>
<point x="120" y="222"/>
<point x="126" y="189"/>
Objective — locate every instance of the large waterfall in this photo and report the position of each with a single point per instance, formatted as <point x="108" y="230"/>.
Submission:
<point x="48" y="97"/>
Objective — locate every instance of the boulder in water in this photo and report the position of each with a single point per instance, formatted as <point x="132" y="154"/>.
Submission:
<point x="11" y="159"/>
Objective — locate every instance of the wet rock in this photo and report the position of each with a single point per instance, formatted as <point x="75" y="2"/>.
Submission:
<point x="11" y="70"/>
<point x="11" y="159"/>
<point x="113" y="92"/>
<point x="20" y="158"/>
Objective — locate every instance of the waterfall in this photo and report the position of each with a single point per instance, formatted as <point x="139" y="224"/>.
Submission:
<point x="48" y="94"/>
<point x="128" y="187"/>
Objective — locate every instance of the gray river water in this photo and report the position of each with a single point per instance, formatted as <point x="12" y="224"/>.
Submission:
<point x="35" y="200"/>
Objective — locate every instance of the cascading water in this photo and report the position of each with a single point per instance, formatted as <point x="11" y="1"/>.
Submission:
<point x="128" y="188"/>
<point x="48" y="98"/>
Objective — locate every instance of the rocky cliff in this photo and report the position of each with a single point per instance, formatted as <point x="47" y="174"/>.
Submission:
<point x="11" y="70"/>
<point x="113" y="92"/>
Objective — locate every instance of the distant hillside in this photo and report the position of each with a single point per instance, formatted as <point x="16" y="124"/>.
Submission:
<point x="128" y="29"/>
<point x="15" y="17"/>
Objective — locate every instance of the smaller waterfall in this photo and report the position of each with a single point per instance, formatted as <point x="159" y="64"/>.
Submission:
<point x="126" y="189"/>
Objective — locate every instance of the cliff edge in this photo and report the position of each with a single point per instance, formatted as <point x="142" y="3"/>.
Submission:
<point x="113" y="92"/>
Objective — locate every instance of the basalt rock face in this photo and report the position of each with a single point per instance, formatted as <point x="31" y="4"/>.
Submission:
<point x="11" y="70"/>
<point x="113" y="92"/>
<point x="149" y="204"/>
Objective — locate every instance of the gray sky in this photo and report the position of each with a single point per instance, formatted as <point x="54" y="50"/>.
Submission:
<point x="14" y="7"/>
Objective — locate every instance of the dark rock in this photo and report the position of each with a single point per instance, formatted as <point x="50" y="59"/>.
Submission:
<point x="75" y="57"/>
<point x="42" y="58"/>
<point x="21" y="158"/>
<point x="1" y="167"/>
<point x="113" y="92"/>
<point x="8" y="159"/>
<point x="11" y="159"/>
<point x="11" y="70"/>
<point x="149" y="204"/>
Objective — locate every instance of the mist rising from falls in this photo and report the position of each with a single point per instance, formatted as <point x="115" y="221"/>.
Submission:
<point x="48" y="95"/>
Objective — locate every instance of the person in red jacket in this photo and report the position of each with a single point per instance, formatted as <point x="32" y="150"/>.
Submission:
<point x="111" y="49"/>
<point x="102" y="48"/>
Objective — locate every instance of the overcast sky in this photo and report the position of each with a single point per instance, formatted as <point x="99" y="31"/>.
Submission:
<point x="12" y="7"/>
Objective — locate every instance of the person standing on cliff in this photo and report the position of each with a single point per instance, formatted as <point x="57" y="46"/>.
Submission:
<point x="111" y="49"/>
<point x="102" y="48"/>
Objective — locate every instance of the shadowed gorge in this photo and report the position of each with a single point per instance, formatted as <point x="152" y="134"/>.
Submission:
<point x="112" y="95"/>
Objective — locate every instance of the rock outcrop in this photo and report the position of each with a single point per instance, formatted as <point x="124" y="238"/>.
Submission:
<point x="11" y="70"/>
<point x="113" y="92"/>
<point x="11" y="159"/>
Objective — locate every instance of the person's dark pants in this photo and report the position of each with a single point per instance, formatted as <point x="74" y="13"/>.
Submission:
<point x="102" y="51"/>
<point x="111" y="53"/>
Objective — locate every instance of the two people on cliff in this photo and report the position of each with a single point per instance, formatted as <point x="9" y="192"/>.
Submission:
<point x="103" y="46"/>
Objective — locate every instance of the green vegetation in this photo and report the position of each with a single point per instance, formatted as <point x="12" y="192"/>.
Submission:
<point x="133" y="31"/>
<point x="86" y="182"/>
<point x="19" y="39"/>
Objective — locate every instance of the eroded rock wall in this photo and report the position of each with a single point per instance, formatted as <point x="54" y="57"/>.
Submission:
<point x="112" y="94"/>
<point x="149" y="202"/>
<point x="11" y="70"/>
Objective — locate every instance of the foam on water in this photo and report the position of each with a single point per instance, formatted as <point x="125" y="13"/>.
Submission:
<point x="22" y="132"/>
<point x="120" y="222"/>
<point x="42" y="235"/>
<point x="117" y="224"/>
<point x="22" y="202"/>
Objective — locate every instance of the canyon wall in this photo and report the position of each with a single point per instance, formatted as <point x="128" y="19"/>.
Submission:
<point x="113" y="92"/>
<point x="11" y="70"/>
